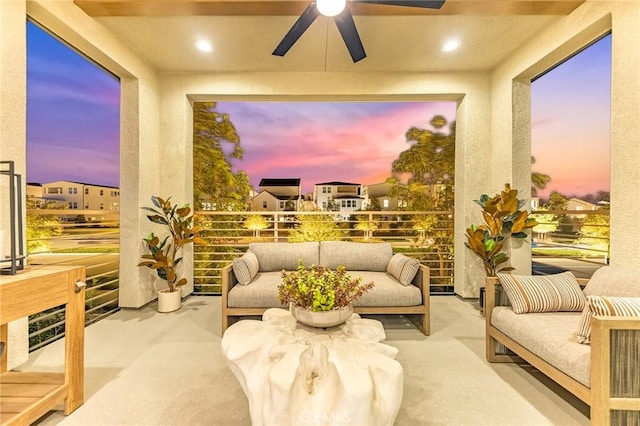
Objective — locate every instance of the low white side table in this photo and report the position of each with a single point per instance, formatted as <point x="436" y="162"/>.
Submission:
<point x="298" y="375"/>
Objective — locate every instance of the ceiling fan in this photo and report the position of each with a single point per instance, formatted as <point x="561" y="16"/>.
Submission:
<point x="339" y="10"/>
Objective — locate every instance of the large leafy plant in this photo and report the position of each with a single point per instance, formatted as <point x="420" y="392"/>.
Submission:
<point x="319" y="288"/>
<point x="503" y="218"/>
<point x="165" y="254"/>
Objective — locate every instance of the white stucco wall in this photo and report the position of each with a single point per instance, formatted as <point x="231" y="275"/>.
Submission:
<point x="470" y="90"/>
<point x="510" y="102"/>
<point x="13" y="94"/>
<point x="139" y="132"/>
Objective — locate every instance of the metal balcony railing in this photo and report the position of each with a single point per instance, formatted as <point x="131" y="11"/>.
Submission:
<point x="424" y="235"/>
<point x="75" y="237"/>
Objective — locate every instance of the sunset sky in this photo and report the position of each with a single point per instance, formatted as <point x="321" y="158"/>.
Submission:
<point x="73" y="114"/>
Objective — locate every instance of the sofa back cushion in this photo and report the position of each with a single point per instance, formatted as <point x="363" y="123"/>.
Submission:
<point x="617" y="281"/>
<point x="355" y="256"/>
<point x="278" y="256"/>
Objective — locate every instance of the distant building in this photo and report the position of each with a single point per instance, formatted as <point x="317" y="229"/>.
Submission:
<point x="578" y="204"/>
<point x="278" y="195"/>
<point x="380" y="191"/>
<point x="81" y="196"/>
<point x="342" y="196"/>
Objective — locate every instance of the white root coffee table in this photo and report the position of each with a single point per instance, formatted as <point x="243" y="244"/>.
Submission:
<point x="298" y="375"/>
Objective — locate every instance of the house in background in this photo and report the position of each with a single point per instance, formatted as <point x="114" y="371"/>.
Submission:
<point x="278" y="195"/>
<point x="578" y="204"/>
<point x="82" y="196"/>
<point x="338" y="196"/>
<point x="380" y="191"/>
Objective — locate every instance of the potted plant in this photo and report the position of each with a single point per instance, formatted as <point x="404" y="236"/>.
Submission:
<point x="503" y="219"/>
<point x="166" y="254"/>
<point x="319" y="296"/>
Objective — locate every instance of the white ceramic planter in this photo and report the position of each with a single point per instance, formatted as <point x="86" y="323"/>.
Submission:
<point x="169" y="301"/>
<point x="322" y="319"/>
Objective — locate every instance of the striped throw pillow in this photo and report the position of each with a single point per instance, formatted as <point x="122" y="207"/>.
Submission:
<point x="543" y="293"/>
<point x="606" y="307"/>
<point x="403" y="268"/>
<point x="245" y="267"/>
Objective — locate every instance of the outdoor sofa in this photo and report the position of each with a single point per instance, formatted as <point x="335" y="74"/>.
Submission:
<point x="250" y="283"/>
<point x="605" y="374"/>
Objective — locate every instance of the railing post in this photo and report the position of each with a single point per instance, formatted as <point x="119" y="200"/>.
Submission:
<point x="275" y="227"/>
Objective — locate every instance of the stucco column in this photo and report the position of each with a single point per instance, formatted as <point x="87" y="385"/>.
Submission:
<point x="141" y="168"/>
<point x="13" y="97"/>
<point x="176" y="156"/>
<point x="473" y="154"/>
<point x="521" y="166"/>
<point x="625" y="135"/>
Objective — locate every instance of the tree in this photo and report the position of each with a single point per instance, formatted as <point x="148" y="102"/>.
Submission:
<point x="316" y="227"/>
<point x="41" y="227"/>
<point x="256" y="223"/>
<point x="423" y="175"/>
<point x="594" y="232"/>
<point x="367" y="226"/>
<point x="375" y="205"/>
<point x="538" y="180"/>
<point x="214" y="181"/>
<point x="547" y="223"/>
<point x="557" y="201"/>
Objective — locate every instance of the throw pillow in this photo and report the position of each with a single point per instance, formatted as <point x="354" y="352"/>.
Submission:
<point x="403" y="268"/>
<point x="606" y="306"/>
<point x="245" y="267"/>
<point x="543" y="293"/>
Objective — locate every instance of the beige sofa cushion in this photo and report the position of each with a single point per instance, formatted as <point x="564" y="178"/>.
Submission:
<point x="262" y="292"/>
<point x="355" y="256"/>
<point x="549" y="335"/>
<point x="274" y="257"/>
<point x="387" y="291"/>
<point x="618" y="281"/>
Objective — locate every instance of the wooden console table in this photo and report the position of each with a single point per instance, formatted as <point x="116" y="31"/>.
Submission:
<point x="26" y="396"/>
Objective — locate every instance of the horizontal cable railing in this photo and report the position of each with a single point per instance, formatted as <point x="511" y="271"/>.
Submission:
<point x="80" y="238"/>
<point x="580" y="233"/>
<point x="424" y="235"/>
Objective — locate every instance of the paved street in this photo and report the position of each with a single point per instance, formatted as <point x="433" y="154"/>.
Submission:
<point x="552" y="265"/>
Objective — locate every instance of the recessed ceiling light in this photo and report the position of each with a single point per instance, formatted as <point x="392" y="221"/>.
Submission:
<point x="204" y="46"/>
<point x="450" y="45"/>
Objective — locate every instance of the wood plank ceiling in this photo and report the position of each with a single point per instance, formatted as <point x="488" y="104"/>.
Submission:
<point x="97" y="8"/>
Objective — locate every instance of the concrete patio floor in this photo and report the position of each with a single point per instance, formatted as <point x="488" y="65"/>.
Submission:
<point x="146" y="368"/>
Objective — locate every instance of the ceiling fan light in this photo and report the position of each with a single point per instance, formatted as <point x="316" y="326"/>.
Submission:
<point x="330" y="7"/>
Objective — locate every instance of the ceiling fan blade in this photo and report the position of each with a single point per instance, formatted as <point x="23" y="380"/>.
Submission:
<point x="304" y="21"/>
<point x="427" y="4"/>
<point x="349" y="34"/>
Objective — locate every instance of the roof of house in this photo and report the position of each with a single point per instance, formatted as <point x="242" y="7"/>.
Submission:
<point x="279" y="182"/>
<point x="340" y="197"/>
<point x="278" y="197"/>
<point x="338" y="183"/>
<point x="80" y="183"/>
